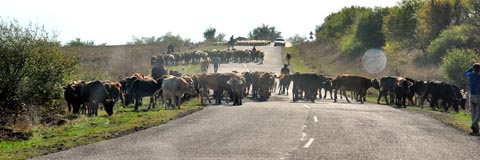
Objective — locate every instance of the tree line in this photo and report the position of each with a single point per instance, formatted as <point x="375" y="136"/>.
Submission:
<point x="446" y="32"/>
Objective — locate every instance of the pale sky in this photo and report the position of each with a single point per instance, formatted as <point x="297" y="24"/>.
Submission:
<point x="115" y="22"/>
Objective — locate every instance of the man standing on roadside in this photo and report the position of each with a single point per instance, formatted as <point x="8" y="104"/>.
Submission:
<point x="473" y="75"/>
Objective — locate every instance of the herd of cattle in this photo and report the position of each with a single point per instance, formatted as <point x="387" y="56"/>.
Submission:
<point x="248" y="43"/>
<point x="173" y="90"/>
<point x="398" y="89"/>
<point x="84" y="97"/>
<point x="195" y="57"/>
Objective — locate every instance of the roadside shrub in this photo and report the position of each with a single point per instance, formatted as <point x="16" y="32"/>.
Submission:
<point x="456" y="62"/>
<point x="34" y="67"/>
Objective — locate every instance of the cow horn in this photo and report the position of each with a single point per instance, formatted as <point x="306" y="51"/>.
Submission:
<point x="229" y="82"/>
<point x="241" y="82"/>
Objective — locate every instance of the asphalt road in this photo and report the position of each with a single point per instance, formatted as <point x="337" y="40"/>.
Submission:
<point x="280" y="129"/>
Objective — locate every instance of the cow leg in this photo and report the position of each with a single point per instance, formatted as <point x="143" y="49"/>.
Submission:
<point x="69" y="106"/>
<point x="335" y="96"/>
<point x="345" y="94"/>
<point x="380" y="96"/>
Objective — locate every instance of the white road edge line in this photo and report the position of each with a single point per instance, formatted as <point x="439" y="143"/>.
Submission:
<point x="310" y="141"/>
<point x="315" y="119"/>
<point x="306" y="106"/>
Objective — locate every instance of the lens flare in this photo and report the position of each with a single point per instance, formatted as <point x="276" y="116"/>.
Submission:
<point x="374" y="61"/>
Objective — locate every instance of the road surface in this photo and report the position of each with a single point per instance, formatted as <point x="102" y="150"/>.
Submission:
<point x="280" y="129"/>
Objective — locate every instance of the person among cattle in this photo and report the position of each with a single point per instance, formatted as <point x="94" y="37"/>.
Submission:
<point x="170" y="48"/>
<point x="231" y="43"/>
<point x="285" y="69"/>
<point x="158" y="71"/>
<point x="254" y="49"/>
<point x="289" y="56"/>
<point x="216" y="63"/>
<point x="473" y="75"/>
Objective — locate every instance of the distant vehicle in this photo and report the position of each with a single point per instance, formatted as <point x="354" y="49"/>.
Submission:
<point x="279" y="42"/>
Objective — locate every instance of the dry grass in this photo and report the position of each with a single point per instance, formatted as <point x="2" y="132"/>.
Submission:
<point x="117" y="62"/>
<point x="326" y="59"/>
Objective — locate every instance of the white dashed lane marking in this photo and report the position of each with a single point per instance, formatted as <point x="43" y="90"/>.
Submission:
<point x="315" y="119"/>
<point x="306" y="106"/>
<point x="310" y="141"/>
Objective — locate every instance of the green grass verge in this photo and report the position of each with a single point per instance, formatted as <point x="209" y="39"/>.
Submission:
<point x="460" y="120"/>
<point x="296" y="63"/>
<point x="84" y="130"/>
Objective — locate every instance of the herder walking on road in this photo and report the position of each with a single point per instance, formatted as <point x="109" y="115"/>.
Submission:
<point x="216" y="63"/>
<point x="289" y="56"/>
<point x="473" y="75"/>
<point x="231" y="43"/>
<point x="285" y="69"/>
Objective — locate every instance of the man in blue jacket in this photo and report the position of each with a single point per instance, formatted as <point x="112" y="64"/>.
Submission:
<point x="473" y="75"/>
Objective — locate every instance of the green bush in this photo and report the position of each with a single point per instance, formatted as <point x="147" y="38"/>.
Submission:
<point x="34" y="67"/>
<point x="456" y="62"/>
<point x="454" y="37"/>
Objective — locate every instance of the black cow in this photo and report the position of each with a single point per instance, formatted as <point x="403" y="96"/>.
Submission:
<point x="446" y="92"/>
<point x="402" y="91"/>
<point x="73" y="97"/>
<point x="386" y="88"/>
<point x="144" y="87"/>
<point x="94" y="93"/>
<point x="307" y="83"/>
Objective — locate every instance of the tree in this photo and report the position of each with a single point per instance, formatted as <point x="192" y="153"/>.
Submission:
<point x="220" y="37"/>
<point x="400" y="24"/>
<point x="433" y="17"/>
<point x="462" y="36"/>
<point x="364" y="34"/>
<point x="264" y="32"/>
<point x="297" y="39"/>
<point x="456" y="62"/>
<point x="209" y="34"/>
<point x="168" y="38"/>
<point x="33" y="69"/>
<point x="336" y="25"/>
<point x="78" y="42"/>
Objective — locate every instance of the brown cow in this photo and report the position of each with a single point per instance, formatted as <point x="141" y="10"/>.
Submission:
<point x="284" y="80"/>
<point x="265" y="82"/>
<point x="216" y="82"/>
<point x="174" y="88"/>
<point x="357" y="84"/>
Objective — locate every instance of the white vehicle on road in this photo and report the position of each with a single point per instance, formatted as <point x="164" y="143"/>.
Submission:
<point x="279" y="42"/>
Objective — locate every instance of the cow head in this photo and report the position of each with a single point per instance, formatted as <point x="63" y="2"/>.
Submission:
<point x="190" y="85"/>
<point x="235" y="84"/>
<point x="109" y="103"/>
